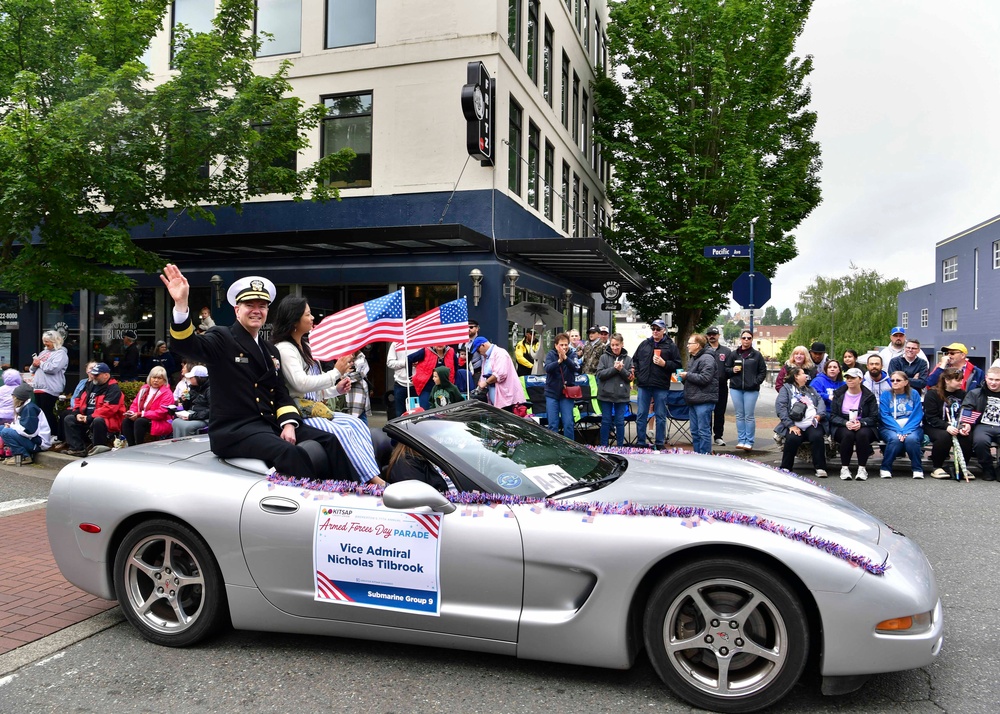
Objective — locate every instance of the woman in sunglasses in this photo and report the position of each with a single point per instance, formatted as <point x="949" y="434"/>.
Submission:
<point x="902" y="415"/>
<point x="746" y="370"/>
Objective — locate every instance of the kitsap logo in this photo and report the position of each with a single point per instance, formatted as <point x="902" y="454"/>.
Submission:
<point x="327" y="511"/>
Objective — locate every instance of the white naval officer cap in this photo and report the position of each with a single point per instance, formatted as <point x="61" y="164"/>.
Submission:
<point x="252" y="287"/>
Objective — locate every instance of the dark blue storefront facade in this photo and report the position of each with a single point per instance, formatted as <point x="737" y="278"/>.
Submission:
<point x="339" y="253"/>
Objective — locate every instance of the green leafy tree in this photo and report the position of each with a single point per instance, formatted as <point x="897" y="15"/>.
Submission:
<point x="89" y="149"/>
<point x="730" y="331"/>
<point x="786" y="317"/>
<point x="770" y="316"/>
<point x="863" y="311"/>
<point x="708" y="128"/>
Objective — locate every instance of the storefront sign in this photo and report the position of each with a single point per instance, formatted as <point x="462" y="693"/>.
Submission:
<point x="9" y="320"/>
<point x="377" y="558"/>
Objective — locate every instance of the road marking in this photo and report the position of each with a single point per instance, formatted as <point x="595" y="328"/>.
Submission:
<point x="21" y="503"/>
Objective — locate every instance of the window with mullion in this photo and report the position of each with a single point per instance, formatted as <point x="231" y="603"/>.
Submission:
<point x="348" y="125"/>
<point x="531" y="63"/>
<point x="514" y="153"/>
<point x="550" y="170"/>
<point x="547" y="63"/>
<point x="282" y="20"/>
<point x="514" y="27"/>
<point x="534" y="142"/>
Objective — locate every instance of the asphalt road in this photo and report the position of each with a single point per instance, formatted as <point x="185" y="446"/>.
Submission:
<point x="115" y="670"/>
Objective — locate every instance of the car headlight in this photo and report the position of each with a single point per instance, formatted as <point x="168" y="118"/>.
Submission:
<point x="908" y="625"/>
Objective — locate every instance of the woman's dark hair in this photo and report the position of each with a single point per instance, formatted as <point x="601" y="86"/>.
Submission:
<point x="852" y="352"/>
<point x="946" y="375"/>
<point x="793" y="373"/>
<point x="840" y="368"/>
<point x="290" y="310"/>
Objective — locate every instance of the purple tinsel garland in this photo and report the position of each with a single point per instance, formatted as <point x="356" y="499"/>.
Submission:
<point x="690" y="515"/>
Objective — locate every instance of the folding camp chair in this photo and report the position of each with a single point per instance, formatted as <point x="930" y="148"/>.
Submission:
<point x="678" y="424"/>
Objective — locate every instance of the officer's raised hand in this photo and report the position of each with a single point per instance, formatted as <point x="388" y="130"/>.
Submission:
<point x="177" y="286"/>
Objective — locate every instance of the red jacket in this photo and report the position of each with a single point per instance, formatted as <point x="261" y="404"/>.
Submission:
<point x="156" y="410"/>
<point x="109" y="403"/>
<point x="425" y="367"/>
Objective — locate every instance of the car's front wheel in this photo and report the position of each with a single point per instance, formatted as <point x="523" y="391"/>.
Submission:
<point x="726" y="635"/>
<point x="168" y="584"/>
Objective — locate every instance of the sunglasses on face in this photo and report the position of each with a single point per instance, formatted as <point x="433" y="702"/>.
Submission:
<point x="897" y="380"/>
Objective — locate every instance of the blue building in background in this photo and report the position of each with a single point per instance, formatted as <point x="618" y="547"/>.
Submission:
<point x="961" y="304"/>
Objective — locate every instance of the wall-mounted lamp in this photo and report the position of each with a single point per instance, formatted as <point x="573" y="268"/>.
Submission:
<point x="567" y="299"/>
<point x="508" y="289"/>
<point x="216" y="281"/>
<point x="477" y="285"/>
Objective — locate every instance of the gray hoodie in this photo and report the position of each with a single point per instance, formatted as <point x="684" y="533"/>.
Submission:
<point x="50" y="375"/>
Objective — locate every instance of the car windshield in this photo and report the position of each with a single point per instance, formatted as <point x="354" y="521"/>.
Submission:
<point x="507" y="454"/>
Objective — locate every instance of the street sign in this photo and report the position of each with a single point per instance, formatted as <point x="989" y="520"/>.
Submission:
<point x="747" y="284"/>
<point x="727" y="251"/>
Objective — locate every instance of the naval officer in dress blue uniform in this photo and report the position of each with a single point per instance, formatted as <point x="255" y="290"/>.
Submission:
<point x="252" y="413"/>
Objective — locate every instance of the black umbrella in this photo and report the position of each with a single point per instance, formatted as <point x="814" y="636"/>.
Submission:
<point x="529" y="314"/>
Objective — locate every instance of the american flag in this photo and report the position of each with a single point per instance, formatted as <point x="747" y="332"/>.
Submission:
<point x="349" y="330"/>
<point x="444" y="325"/>
<point x="969" y="416"/>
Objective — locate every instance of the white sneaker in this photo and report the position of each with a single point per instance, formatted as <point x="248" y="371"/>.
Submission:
<point x="820" y="473"/>
<point x="845" y="473"/>
<point x="828" y="440"/>
<point x="720" y="441"/>
<point x="862" y="474"/>
<point x="884" y="474"/>
<point x="918" y="474"/>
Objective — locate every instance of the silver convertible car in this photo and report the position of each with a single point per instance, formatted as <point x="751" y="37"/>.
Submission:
<point x="732" y="576"/>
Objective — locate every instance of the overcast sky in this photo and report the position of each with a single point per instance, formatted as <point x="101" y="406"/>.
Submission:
<point x="908" y="98"/>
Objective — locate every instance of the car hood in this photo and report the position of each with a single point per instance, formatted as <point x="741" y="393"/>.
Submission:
<point x="737" y="485"/>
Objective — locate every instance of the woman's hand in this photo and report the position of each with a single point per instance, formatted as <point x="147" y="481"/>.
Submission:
<point x="854" y="425"/>
<point x="795" y="430"/>
<point x="344" y="385"/>
<point x="344" y="364"/>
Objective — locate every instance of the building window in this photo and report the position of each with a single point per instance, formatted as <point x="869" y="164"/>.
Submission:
<point x="350" y="22"/>
<point x="905" y="320"/>
<point x="949" y="319"/>
<point x="576" y="12"/>
<point x="576" y="109"/>
<point x="565" y="198"/>
<point x="514" y="153"/>
<point x="576" y="205"/>
<point x="996" y="254"/>
<point x="550" y="170"/>
<point x="282" y="20"/>
<point x="348" y="125"/>
<point x="596" y="218"/>
<point x="260" y="179"/>
<point x="514" y="27"/>
<point x="584" y="207"/>
<point x="924" y="317"/>
<point x="949" y="269"/>
<point x="598" y="44"/>
<point x="547" y="64"/>
<point x="532" y="61"/>
<point x="534" y="146"/>
<point x="195" y="15"/>
<point x="585" y="125"/>
<point x="564" y="102"/>
<point x="585" y="30"/>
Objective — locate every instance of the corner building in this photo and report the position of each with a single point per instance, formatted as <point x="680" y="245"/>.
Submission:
<point x="416" y="211"/>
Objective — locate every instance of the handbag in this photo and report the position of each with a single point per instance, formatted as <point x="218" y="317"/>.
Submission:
<point x="572" y="391"/>
<point x="797" y="412"/>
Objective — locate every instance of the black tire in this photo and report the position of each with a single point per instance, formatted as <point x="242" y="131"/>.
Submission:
<point x="714" y="652"/>
<point x="168" y="584"/>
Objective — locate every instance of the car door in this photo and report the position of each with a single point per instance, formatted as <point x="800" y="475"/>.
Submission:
<point x="481" y="568"/>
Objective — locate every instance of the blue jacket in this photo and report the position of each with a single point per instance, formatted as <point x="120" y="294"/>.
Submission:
<point x="893" y="407"/>
<point x="826" y="387"/>
<point x="557" y="374"/>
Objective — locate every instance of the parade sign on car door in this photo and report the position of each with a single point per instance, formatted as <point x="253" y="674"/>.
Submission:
<point x="378" y="558"/>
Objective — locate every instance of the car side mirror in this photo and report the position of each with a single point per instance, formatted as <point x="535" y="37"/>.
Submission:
<point x="407" y="495"/>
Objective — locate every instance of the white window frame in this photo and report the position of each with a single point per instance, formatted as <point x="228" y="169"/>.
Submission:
<point x="905" y="320"/>
<point x="949" y="319"/>
<point x="949" y="269"/>
<point x="924" y="317"/>
<point x="996" y="254"/>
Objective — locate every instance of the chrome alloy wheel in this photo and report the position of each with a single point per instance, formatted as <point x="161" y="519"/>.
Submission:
<point x="725" y="637"/>
<point x="164" y="584"/>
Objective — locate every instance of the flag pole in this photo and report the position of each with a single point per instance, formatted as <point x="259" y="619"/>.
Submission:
<point x="406" y="353"/>
<point x="468" y="353"/>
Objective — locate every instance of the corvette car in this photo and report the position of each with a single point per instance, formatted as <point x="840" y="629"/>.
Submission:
<point x="732" y="576"/>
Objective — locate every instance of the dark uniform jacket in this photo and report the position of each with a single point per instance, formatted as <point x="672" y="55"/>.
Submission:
<point x="249" y="396"/>
<point x="128" y="365"/>
<point x="649" y="375"/>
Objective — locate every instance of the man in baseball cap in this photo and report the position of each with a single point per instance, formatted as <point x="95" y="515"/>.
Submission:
<point x="253" y="414"/>
<point x="955" y="356"/>
<point x="897" y="338"/>
<point x="590" y="355"/>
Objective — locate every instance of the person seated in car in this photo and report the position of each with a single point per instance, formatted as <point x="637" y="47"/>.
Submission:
<point x="407" y="465"/>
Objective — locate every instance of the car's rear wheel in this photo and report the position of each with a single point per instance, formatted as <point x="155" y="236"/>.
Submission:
<point x="168" y="584"/>
<point x="727" y="635"/>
